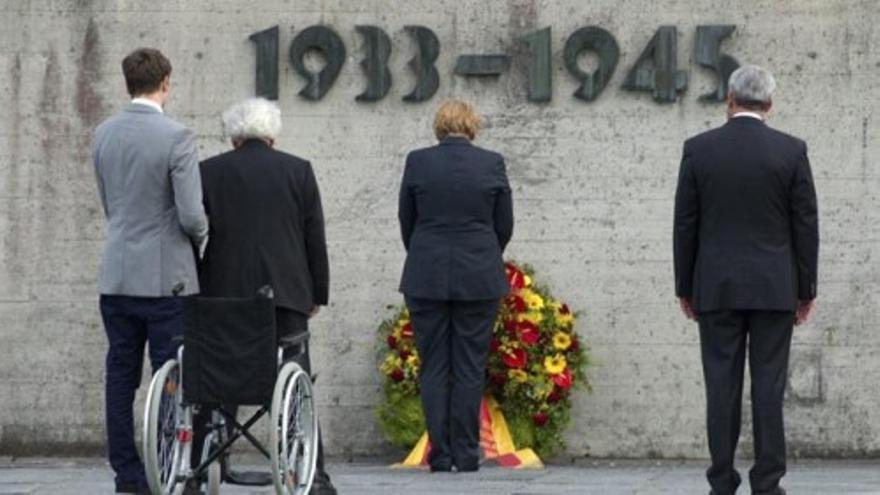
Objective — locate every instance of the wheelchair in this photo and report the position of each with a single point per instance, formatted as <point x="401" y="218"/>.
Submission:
<point x="229" y="355"/>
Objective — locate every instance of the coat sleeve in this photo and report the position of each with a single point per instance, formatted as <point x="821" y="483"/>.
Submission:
<point x="316" y="241"/>
<point x="406" y="208"/>
<point x="805" y="227"/>
<point x="186" y="184"/>
<point x="686" y="227"/>
<point x="503" y="214"/>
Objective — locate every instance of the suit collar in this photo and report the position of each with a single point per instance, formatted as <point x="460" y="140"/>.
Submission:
<point x="455" y="140"/>
<point x="139" y="108"/>
<point x="745" y="120"/>
<point x="254" y="143"/>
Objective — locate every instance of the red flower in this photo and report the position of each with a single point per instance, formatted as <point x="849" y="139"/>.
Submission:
<point x="563" y="380"/>
<point x="554" y="397"/>
<point x="528" y="333"/>
<point x="405" y="354"/>
<point x="494" y="344"/>
<point x="392" y="342"/>
<point x="407" y="331"/>
<point x="397" y="375"/>
<point x="540" y="419"/>
<point x="574" y="344"/>
<point x="516" y="304"/>
<point x="498" y="380"/>
<point x="515" y="277"/>
<point x="515" y="358"/>
<point x="510" y="327"/>
<point x="564" y="309"/>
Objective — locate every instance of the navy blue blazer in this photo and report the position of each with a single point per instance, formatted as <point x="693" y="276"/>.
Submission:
<point x="746" y="232"/>
<point x="456" y="218"/>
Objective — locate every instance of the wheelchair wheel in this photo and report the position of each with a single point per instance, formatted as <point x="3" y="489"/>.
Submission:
<point x="164" y="453"/>
<point x="293" y="435"/>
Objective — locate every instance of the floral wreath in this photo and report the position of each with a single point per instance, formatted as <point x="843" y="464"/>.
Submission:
<point x="535" y="360"/>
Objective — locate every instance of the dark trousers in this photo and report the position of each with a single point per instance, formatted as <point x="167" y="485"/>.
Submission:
<point x="452" y="338"/>
<point x="287" y="322"/>
<point x="131" y="322"/>
<point x="724" y="336"/>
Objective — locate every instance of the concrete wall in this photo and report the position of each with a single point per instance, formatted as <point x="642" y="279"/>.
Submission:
<point x="593" y="187"/>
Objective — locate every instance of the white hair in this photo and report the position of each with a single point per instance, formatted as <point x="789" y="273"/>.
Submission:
<point x="751" y="83"/>
<point x="252" y="118"/>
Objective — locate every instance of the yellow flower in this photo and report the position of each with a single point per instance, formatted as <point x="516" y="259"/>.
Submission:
<point x="413" y="360"/>
<point x="533" y="300"/>
<point x="555" y="365"/>
<point x="527" y="281"/>
<point x="561" y="341"/>
<point x="531" y="316"/>
<point x="518" y="376"/>
<point x="564" y="319"/>
<point x="392" y="361"/>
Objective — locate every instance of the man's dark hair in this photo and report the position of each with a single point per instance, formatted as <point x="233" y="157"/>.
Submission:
<point x="144" y="70"/>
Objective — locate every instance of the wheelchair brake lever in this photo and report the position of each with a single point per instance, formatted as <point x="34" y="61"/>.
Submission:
<point x="266" y="292"/>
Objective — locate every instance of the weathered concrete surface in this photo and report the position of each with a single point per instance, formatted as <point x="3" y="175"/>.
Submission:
<point x="606" y="478"/>
<point x="593" y="191"/>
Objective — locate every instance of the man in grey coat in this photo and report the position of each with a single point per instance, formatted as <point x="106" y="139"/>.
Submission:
<point x="148" y="180"/>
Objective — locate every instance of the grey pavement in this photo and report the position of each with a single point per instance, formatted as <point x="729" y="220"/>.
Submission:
<point x="92" y="476"/>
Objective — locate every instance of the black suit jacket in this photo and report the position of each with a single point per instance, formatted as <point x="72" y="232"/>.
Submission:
<point x="746" y="229"/>
<point x="266" y="227"/>
<point x="456" y="217"/>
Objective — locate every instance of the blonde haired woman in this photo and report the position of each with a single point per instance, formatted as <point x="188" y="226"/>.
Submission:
<point x="456" y="217"/>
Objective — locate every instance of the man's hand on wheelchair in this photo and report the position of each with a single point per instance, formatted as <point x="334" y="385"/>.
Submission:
<point x="315" y="310"/>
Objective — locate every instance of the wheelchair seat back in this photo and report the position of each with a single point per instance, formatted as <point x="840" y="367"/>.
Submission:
<point x="230" y="350"/>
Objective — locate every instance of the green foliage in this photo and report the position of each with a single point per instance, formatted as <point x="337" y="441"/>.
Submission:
<point x="401" y="417"/>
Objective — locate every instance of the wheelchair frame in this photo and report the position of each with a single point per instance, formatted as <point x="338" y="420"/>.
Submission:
<point x="293" y="434"/>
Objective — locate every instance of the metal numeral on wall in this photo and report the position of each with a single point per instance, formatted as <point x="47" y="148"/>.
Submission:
<point x="329" y="43"/>
<point x="267" y="62"/>
<point x="656" y="69"/>
<point x="540" y="70"/>
<point x="378" y="47"/>
<point x="707" y="52"/>
<point x="428" y="49"/>
<point x="481" y="65"/>
<point x="603" y="44"/>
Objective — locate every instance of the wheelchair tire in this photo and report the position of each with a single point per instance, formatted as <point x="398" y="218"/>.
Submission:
<point x="293" y="433"/>
<point x="163" y="453"/>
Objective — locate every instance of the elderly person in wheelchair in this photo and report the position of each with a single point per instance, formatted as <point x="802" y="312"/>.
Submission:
<point x="263" y="275"/>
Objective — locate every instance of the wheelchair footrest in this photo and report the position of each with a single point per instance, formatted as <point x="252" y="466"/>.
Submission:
<point x="248" y="478"/>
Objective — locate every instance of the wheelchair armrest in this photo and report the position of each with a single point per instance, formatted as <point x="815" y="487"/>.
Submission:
<point x="291" y="341"/>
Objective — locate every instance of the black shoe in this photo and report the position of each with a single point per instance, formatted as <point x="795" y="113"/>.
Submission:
<point x="132" y="488"/>
<point x="248" y="478"/>
<point x="322" y="485"/>
<point x="193" y="487"/>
